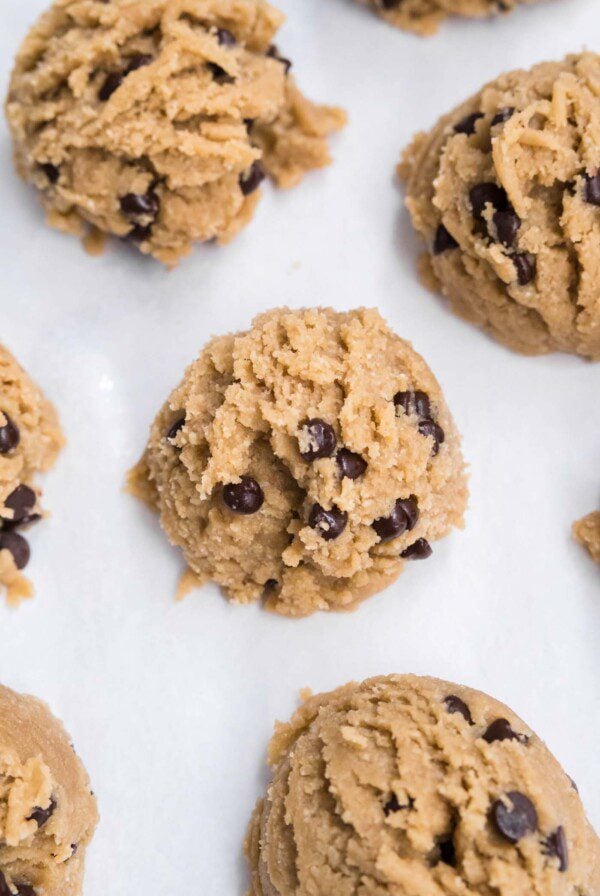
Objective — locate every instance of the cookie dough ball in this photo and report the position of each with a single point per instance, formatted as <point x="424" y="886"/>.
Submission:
<point x="505" y="191"/>
<point x="30" y="439"/>
<point x="406" y="785"/>
<point x="156" y="120"/>
<point x="587" y="533"/>
<point x="305" y="461"/>
<point x="424" y="16"/>
<point x="47" y="811"/>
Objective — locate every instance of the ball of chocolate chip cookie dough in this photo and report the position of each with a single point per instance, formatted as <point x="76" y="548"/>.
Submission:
<point x="305" y="461"/>
<point x="424" y="16"/>
<point x="407" y="785"/>
<point x="505" y="191"/>
<point x="47" y="811"/>
<point x="587" y="533"/>
<point x="30" y="439"/>
<point x="156" y="120"/>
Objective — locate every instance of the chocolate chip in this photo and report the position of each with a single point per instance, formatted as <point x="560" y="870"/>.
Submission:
<point x="219" y="74"/>
<point x="328" y="523"/>
<point x="273" y="52"/>
<point x="502" y="115"/>
<point x="467" y="124"/>
<point x="51" y="171"/>
<point x="10" y="525"/>
<point x="111" y="83"/>
<point x="501" y="729"/>
<point x="42" y="815"/>
<point x="4" y="888"/>
<point x="244" y="497"/>
<point x="515" y="820"/>
<point x="525" y="267"/>
<point x="350" y="465"/>
<point x="403" y="517"/>
<point x="507" y="225"/>
<point x="447" y="852"/>
<point x="393" y="805"/>
<point x="140" y="205"/>
<point x="140" y="233"/>
<point x="74" y="848"/>
<point x="429" y="427"/>
<point x="320" y="437"/>
<point x="485" y="194"/>
<point x="591" y="189"/>
<point x="413" y="402"/>
<point x="9" y="435"/>
<point x="225" y="37"/>
<point x="137" y="61"/>
<point x="251" y="179"/>
<point x="443" y="240"/>
<point x="176" y="427"/>
<point x="21" y="501"/>
<point x="556" y="845"/>
<point x="419" y="550"/>
<point x="25" y="890"/>
<point x="270" y="584"/>
<point x="455" y="705"/>
<point x="18" y="547"/>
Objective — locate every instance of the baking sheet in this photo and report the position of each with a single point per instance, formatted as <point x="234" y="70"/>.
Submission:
<point x="171" y="705"/>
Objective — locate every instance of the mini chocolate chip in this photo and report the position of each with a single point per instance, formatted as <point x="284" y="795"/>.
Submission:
<point x="419" y="550"/>
<point x="455" y="705"/>
<point x="515" y="820"/>
<point x="403" y="517"/>
<point x="507" y="225"/>
<point x="328" y="523"/>
<point x="251" y="179"/>
<point x="140" y="233"/>
<point x="525" y="266"/>
<point x="447" y="852"/>
<point x="51" y="171"/>
<point x="393" y="805"/>
<point x="321" y="439"/>
<point x="244" y="497"/>
<point x="443" y="240"/>
<point x="219" y="74"/>
<point x="556" y="845"/>
<point x="429" y="427"/>
<point x="225" y="37"/>
<point x="140" y="205"/>
<point x="273" y="52"/>
<point x="9" y="435"/>
<point x="485" y="194"/>
<point x="501" y="729"/>
<point x="137" y="61"/>
<point x="176" y="427"/>
<point x="591" y="190"/>
<point x="467" y="124"/>
<point x="111" y="83"/>
<point x="21" y="501"/>
<point x="42" y="815"/>
<point x="502" y="115"/>
<point x="350" y="465"/>
<point x="74" y="848"/>
<point x="413" y="402"/>
<point x="18" y="547"/>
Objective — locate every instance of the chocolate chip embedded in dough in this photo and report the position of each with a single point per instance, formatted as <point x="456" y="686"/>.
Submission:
<point x="500" y="730"/>
<point x="51" y="171"/>
<point x="176" y="427"/>
<point x="111" y="83"/>
<point x="430" y="428"/>
<point x="591" y="189"/>
<point x="350" y="464"/>
<point x="244" y="497"/>
<point x="507" y="224"/>
<point x="225" y="37"/>
<point x="556" y="845"/>
<point x="443" y="241"/>
<point x="251" y="179"/>
<point x="21" y="501"/>
<point x="9" y="435"/>
<point x="328" y="523"/>
<point x="413" y="402"/>
<point x="514" y="816"/>
<point x="467" y="124"/>
<point x="18" y="547"/>
<point x="321" y="439"/>
<point x="419" y="550"/>
<point x="484" y="194"/>
<point x="403" y="517"/>
<point x="525" y="267"/>
<point x="41" y="816"/>
<point x="502" y="115"/>
<point x="454" y="704"/>
<point x="219" y="74"/>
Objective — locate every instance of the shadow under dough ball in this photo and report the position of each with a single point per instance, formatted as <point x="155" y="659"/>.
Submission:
<point x="505" y="191"/>
<point x="305" y="461"/>
<point x="156" y="122"/>
<point x="424" y="16"/>
<point x="412" y="785"/>
<point x="47" y="810"/>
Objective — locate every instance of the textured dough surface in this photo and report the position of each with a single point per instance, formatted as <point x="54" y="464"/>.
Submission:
<point x="245" y="401"/>
<point x="534" y="285"/>
<point x="378" y="789"/>
<point x="173" y="102"/>
<point x="40" y="440"/>
<point x="41" y="776"/>
<point x="587" y="533"/>
<point x="424" y="16"/>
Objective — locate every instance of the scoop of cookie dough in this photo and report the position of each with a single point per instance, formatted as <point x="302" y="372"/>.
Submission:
<point x="305" y="461"/>
<point x="47" y="811"/>
<point x="587" y="533"/>
<point x="424" y="16"/>
<point x="30" y="439"/>
<point x="412" y="786"/>
<point x="156" y="120"/>
<point x="505" y="191"/>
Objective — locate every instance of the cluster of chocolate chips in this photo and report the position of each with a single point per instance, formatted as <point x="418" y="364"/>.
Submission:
<point x="40" y="816"/>
<point x="114" y="80"/>
<point x="416" y="403"/>
<point x="142" y="210"/>
<point x="21" y="501"/>
<point x="22" y="889"/>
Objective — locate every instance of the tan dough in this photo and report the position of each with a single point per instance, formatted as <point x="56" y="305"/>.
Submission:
<point x="424" y="16"/>
<point x="587" y="533"/>
<point x="511" y="212"/>
<point x="47" y="811"/>
<point x="30" y="439"/>
<point x="155" y="120"/>
<point x="392" y="788"/>
<point x="242" y="409"/>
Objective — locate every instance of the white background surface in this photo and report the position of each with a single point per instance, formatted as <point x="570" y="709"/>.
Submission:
<point x="171" y="705"/>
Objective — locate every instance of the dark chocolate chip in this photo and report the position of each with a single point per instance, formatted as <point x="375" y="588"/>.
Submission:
<point x="225" y="37"/>
<point x="111" y="83"/>
<point x="176" y="427"/>
<point x="219" y="74"/>
<point x="251" y="179"/>
<point x="447" y="852"/>
<point x="21" y="501"/>
<point x="455" y="705"/>
<point x="51" y="172"/>
<point x="350" y="465"/>
<point x="413" y="402"/>
<point x="18" y="547"/>
<point x="525" y="266"/>
<point x="556" y="845"/>
<point x="514" y="816"/>
<point x="501" y="729"/>
<point x="393" y="805"/>
<point x="137" y="61"/>
<point x="140" y="233"/>
<point x="25" y="890"/>
<point x="403" y="517"/>
<point x="140" y="205"/>
<point x="321" y="439"/>
<point x="328" y="523"/>
<point x="273" y="52"/>
<point x="467" y="124"/>
<point x="42" y="815"/>
<point x="591" y="190"/>
<point x="244" y="497"/>
<point x="485" y="194"/>
<point x="507" y="225"/>
<point x="74" y="848"/>
<point x="429" y="427"/>
<point x="9" y="435"/>
<point x="502" y="115"/>
<point x="9" y="525"/>
<point x="420" y="550"/>
<point x="443" y="240"/>
<point x="270" y="584"/>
